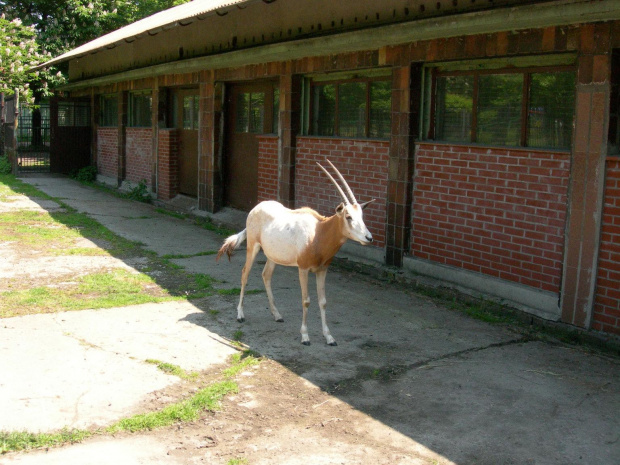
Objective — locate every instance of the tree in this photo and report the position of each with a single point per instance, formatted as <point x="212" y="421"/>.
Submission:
<point x="65" y="24"/>
<point x="19" y="53"/>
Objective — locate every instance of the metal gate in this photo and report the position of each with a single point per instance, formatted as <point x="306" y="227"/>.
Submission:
<point x="70" y="134"/>
<point x="33" y="139"/>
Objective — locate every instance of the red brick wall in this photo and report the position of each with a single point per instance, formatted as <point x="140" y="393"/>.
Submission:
<point x="139" y="155"/>
<point x="168" y="164"/>
<point x="107" y="152"/>
<point x="363" y="163"/>
<point x="607" y="305"/>
<point x="267" y="168"/>
<point x="500" y="212"/>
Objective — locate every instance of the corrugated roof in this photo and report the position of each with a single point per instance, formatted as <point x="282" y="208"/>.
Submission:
<point x="152" y="24"/>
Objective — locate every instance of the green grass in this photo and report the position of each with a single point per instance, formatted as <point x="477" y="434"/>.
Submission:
<point x="11" y="186"/>
<point x="180" y="256"/>
<point x="237" y="291"/>
<point x="172" y="369"/>
<point x="23" y="440"/>
<point x="174" y="214"/>
<point x="188" y="410"/>
<point x="117" y="288"/>
<point x="238" y="461"/>
<point x="241" y="361"/>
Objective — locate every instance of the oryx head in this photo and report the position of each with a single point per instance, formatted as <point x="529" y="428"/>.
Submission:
<point x="350" y="211"/>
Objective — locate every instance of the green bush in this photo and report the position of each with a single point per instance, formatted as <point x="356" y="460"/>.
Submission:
<point x="88" y="174"/>
<point x="5" y="166"/>
<point x="139" y="193"/>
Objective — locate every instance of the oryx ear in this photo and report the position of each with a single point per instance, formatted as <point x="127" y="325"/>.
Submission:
<point x="365" y="204"/>
<point x="340" y="208"/>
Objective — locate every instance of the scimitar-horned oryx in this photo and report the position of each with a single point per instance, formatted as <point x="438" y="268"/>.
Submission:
<point x="301" y="238"/>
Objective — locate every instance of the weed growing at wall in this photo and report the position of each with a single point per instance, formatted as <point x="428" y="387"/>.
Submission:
<point x="5" y="165"/>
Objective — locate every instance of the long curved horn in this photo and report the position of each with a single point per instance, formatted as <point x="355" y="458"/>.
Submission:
<point x="344" y="197"/>
<point x="346" y="185"/>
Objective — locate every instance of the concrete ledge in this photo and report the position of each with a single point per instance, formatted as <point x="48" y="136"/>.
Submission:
<point x="540" y="303"/>
<point x="107" y="181"/>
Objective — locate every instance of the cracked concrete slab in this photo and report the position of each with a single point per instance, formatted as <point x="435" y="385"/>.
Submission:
<point x="79" y="369"/>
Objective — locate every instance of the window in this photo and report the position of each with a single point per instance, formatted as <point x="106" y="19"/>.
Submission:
<point x="250" y="112"/>
<point x="140" y="104"/>
<point x="74" y="114"/>
<point x="190" y="112"/>
<point x="108" y="111"/>
<point x="505" y="107"/>
<point x="359" y="108"/>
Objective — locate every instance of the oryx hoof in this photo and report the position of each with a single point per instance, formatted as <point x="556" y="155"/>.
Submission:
<point x="280" y="320"/>
<point x="306" y="343"/>
<point x="333" y="343"/>
<point x="240" y="320"/>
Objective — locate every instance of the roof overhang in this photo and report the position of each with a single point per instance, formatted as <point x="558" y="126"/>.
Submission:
<point x="531" y="16"/>
<point x="167" y="19"/>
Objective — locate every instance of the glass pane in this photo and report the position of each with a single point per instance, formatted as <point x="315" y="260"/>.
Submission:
<point x="140" y="110"/>
<point x="455" y="96"/>
<point x="352" y="109"/>
<point x="81" y="114"/>
<point x="276" y="110"/>
<point x="188" y="109"/>
<point x="324" y="110"/>
<point x="242" y="119"/>
<point x="550" y="110"/>
<point x="196" y="112"/>
<point x="257" y="112"/>
<point x="174" y="111"/>
<point x="499" y="109"/>
<point x="380" y="109"/>
<point x="109" y="111"/>
<point x="65" y="114"/>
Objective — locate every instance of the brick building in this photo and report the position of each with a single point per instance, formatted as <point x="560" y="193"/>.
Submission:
<point x="487" y="131"/>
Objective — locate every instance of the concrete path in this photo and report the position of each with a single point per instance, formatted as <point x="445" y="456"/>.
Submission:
<point x="468" y="391"/>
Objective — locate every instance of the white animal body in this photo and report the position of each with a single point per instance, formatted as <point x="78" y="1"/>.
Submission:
<point x="301" y="238"/>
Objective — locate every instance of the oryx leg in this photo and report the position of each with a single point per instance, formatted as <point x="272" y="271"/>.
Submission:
<point x="305" y="302"/>
<point x="267" y="273"/>
<point x="250" y="256"/>
<point x="320" y="291"/>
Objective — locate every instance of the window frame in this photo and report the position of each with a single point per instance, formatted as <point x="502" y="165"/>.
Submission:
<point x="434" y="72"/>
<point x="313" y="83"/>
<point x="131" y="106"/>
<point x="102" y="120"/>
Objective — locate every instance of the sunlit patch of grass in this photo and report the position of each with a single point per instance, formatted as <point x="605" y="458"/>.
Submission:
<point x="23" y="440"/>
<point x="116" y="288"/>
<point x="82" y="251"/>
<point x="240" y="362"/>
<point x="172" y="369"/>
<point x="188" y="410"/>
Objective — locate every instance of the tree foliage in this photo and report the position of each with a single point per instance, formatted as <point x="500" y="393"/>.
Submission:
<point x="35" y="31"/>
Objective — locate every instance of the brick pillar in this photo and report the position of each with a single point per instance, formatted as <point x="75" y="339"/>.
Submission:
<point x="586" y="182"/>
<point x="123" y="108"/>
<point x="290" y="110"/>
<point x="405" y="104"/>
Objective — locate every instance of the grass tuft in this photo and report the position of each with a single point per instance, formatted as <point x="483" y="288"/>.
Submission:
<point x="172" y="369"/>
<point x="23" y="440"/>
<point x="188" y="410"/>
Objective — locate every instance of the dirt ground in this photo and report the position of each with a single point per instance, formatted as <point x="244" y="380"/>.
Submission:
<point x="278" y="417"/>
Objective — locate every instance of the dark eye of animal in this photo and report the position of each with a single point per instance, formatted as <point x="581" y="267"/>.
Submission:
<point x="349" y="218"/>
